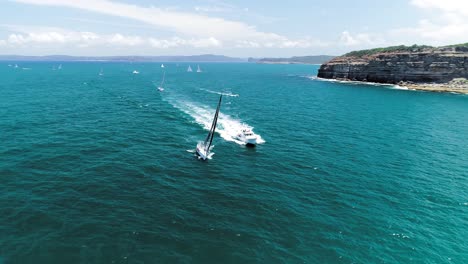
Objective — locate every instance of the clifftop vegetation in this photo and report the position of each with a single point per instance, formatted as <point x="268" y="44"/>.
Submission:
<point x="361" y="53"/>
<point x="403" y="48"/>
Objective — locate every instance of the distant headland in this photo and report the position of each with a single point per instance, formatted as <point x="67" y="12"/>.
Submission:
<point x="63" y="58"/>
<point x="193" y="58"/>
<point x="319" y="59"/>
<point x="418" y="67"/>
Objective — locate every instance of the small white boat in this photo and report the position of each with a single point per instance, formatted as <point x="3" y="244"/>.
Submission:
<point x="162" y="65"/>
<point x="189" y="69"/>
<point x="160" y="89"/>
<point x="198" y="68"/>
<point x="136" y="72"/>
<point x="101" y="73"/>
<point x="203" y="148"/>
<point x="59" y="67"/>
<point x="247" y="136"/>
<point x="16" y="65"/>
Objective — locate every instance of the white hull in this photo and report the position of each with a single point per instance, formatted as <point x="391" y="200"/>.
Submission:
<point x="247" y="141"/>
<point x="160" y="89"/>
<point x="247" y="137"/>
<point x="204" y="155"/>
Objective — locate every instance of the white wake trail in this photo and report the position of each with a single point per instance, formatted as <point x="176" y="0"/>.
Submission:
<point x="227" y="128"/>
<point x="220" y="93"/>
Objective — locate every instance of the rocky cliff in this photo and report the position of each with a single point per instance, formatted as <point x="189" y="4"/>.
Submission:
<point x="420" y="65"/>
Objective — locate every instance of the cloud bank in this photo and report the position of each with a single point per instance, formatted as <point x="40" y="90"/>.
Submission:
<point x="187" y="25"/>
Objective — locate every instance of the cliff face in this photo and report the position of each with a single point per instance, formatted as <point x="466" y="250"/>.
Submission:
<point x="437" y="65"/>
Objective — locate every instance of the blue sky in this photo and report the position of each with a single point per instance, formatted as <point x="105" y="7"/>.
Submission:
<point x="233" y="28"/>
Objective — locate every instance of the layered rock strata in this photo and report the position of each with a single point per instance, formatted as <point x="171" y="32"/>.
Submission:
<point x="429" y="66"/>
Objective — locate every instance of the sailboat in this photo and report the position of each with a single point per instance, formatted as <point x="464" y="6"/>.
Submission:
<point x="101" y="73"/>
<point x="198" y="68"/>
<point x="203" y="148"/>
<point x="59" y="67"/>
<point x="189" y="69"/>
<point x="160" y="87"/>
<point x="162" y="65"/>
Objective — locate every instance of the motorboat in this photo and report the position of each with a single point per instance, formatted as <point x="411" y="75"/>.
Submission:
<point x="247" y="136"/>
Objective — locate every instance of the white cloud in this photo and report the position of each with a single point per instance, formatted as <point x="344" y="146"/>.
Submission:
<point x="447" y="23"/>
<point x="213" y="9"/>
<point x="360" y="39"/>
<point x="47" y="36"/>
<point x="189" y="24"/>
<point x="247" y="44"/>
<point x="56" y="38"/>
<point x="28" y="36"/>
<point x="121" y="40"/>
<point x="451" y="6"/>
<point x="179" y="42"/>
<point x="196" y="30"/>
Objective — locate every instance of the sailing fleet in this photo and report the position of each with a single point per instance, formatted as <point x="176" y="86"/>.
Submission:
<point x="203" y="149"/>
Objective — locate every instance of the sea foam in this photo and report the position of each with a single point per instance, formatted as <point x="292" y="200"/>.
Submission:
<point x="228" y="127"/>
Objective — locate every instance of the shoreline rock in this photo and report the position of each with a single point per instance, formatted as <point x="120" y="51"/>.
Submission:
<point x="459" y="85"/>
<point x="430" y="69"/>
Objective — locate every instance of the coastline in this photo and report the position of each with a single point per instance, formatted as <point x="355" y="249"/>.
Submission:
<point x="458" y="86"/>
<point x="438" y="87"/>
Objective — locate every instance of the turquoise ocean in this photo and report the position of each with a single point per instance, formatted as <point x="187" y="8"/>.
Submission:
<point x="101" y="169"/>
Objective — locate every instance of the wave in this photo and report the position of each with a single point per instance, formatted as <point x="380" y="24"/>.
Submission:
<point x="392" y="86"/>
<point x="220" y="93"/>
<point x="398" y="87"/>
<point x="228" y="127"/>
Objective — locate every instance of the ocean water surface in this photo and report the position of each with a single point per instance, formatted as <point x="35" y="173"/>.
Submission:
<point x="101" y="169"/>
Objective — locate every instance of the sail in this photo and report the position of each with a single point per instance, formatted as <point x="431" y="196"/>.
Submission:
<point x="198" y="68"/>
<point x="189" y="69"/>
<point x="209" y="138"/>
<point x="162" y="65"/>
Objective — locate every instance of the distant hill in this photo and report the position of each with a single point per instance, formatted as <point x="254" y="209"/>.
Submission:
<point x="295" y="60"/>
<point x="194" y="58"/>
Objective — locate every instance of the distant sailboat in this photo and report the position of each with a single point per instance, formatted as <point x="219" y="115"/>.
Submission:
<point x="101" y="73"/>
<point x="198" y="68"/>
<point x="189" y="69"/>
<point x="203" y="148"/>
<point x="16" y="65"/>
<point x="136" y="72"/>
<point x="162" y="65"/>
<point x="59" y="67"/>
